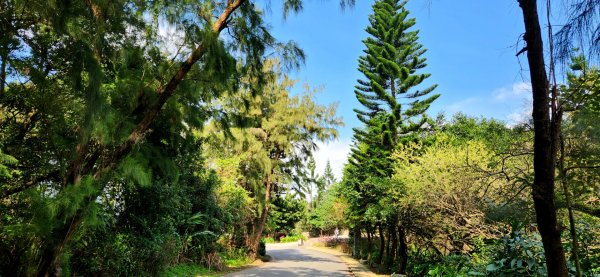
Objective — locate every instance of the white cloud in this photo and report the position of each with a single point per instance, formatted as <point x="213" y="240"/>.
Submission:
<point x="514" y="91"/>
<point x="520" y="97"/>
<point x="522" y="114"/>
<point x="510" y="103"/>
<point x="171" y="39"/>
<point x="337" y="154"/>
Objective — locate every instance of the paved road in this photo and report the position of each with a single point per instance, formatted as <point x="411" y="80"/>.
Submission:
<point x="289" y="259"/>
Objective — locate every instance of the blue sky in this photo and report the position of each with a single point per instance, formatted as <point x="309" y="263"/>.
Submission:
<point x="471" y="56"/>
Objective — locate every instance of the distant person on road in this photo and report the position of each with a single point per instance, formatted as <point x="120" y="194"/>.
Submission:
<point x="336" y="233"/>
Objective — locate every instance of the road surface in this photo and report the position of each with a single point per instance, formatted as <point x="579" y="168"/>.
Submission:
<point x="289" y="259"/>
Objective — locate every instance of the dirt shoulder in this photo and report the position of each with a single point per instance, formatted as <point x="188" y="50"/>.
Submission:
<point x="358" y="269"/>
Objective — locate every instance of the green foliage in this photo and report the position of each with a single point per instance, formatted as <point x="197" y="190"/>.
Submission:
<point x="236" y="258"/>
<point x="328" y="177"/>
<point x="331" y="211"/>
<point x="588" y="234"/>
<point x="268" y="240"/>
<point x="186" y="270"/>
<point x="522" y="255"/>
<point x="393" y="56"/>
<point x="102" y="117"/>
<point x="394" y="98"/>
<point x="6" y="161"/>
<point x="309" y="184"/>
<point x="275" y="135"/>
<point x="292" y="238"/>
<point x="286" y="211"/>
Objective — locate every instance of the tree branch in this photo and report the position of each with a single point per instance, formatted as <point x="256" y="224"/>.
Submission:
<point x="164" y="93"/>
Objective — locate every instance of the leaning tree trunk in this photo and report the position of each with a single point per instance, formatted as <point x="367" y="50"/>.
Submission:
<point x="52" y="249"/>
<point x="544" y="147"/>
<point x="263" y="219"/>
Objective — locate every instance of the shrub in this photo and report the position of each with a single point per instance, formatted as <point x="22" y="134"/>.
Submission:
<point x="522" y="254"/>
<point x="268" y="240"/>
<point x="293" y="238"/>
<point x="236" y="257"/>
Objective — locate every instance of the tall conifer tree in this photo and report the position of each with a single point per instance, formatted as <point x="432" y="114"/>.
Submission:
<point x="390" y="64"/>
<point x="394" y="104"/>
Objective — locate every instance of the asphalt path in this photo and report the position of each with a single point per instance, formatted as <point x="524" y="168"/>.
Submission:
<point x="289" y="259"/>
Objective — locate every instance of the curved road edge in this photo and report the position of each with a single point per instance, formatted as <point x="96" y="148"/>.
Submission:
<point x="356" y="268"/>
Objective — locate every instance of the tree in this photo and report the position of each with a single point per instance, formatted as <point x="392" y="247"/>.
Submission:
<point x="83" y="102"/>
<point x="394" y="111"/>
<point x="546" y="128"/>
<point x="279" y="135"/>
<point x="578" y="145"/>
<point x="314" y="183"/>
<point x="328" y="177"/>
<point x="580" y="30"/>
<point x="392" y="58"/>
<point x="331" y="211"/>
<point x="286" y="212"/>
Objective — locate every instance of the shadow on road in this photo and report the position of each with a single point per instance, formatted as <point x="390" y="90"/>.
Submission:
<point x="292" y="261"/>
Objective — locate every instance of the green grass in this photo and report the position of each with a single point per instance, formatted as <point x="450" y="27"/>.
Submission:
<point x="292" y="238"/>
<point x="188" y="270"/>
<point x="231" y="260"/>
<point x="268" y="240"/>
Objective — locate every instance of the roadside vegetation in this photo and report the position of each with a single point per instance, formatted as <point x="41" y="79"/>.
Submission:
<point x="125" y="152"/>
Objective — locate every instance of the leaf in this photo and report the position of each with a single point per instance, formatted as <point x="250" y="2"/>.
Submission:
<point x="492" y="267"/>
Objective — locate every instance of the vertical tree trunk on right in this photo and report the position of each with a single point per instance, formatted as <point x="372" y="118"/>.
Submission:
<point x="544" y="149"/>
<point x="402" y="250"/>
<point x="381" y="244"/>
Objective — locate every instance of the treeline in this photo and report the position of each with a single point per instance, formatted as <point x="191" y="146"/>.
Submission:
<point x="459" y="204"/>
<point x="431" y="197"/>
<point x="115" y="120"/>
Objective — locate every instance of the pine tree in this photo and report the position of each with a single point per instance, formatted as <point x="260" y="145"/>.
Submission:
<point x="328" y="177"/>
<point x="392" y="58"/>
<point x="394" y="106"/>
<point x="314" y="183"/>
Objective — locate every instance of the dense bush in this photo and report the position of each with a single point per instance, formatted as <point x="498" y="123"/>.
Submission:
<point x="292" y="238"/>
<point x="268" y="240"/>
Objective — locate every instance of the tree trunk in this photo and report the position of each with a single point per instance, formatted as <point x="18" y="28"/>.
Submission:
<point x="381" y="243"/>
<point x="4" y="58"/>
<point x="369" y="243"/>
<point x="356" y="235"/>
<point x="263" y="219"/>
<point x="53" y="249"/>
<point x="572" y="229"/>
<point x="394" y="241"/>
<point x="544" y="150"/>
<point x="387" y="243"/>
<point x="402" y="251"/>
<point x="54" y="245"/>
